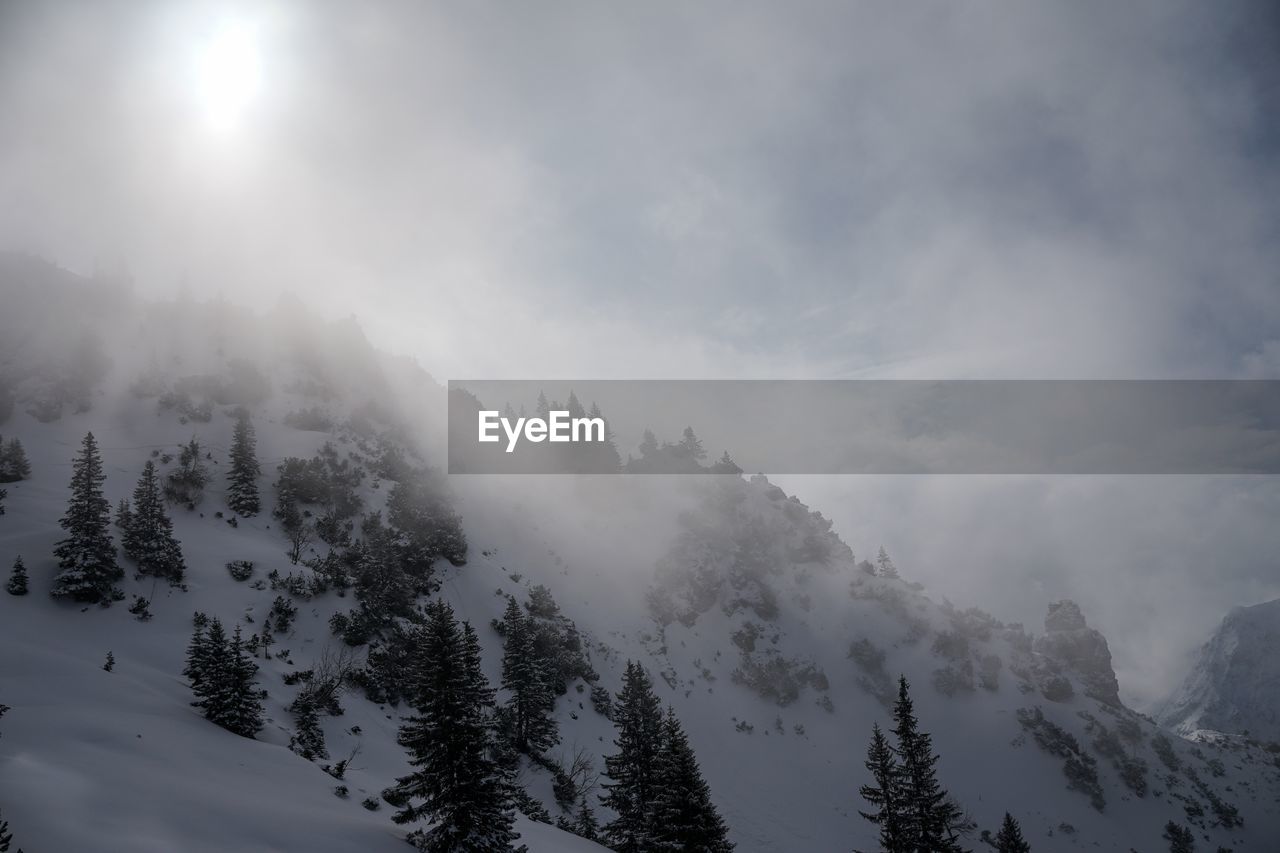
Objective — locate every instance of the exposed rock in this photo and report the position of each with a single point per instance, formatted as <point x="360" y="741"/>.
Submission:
<point x="1070" y="642"/>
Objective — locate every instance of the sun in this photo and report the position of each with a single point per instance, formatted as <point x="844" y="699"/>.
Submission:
<point x="229" y="74"/>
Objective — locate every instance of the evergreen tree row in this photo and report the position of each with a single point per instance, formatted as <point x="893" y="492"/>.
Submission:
<point x="656" y="789"/>
<point x="221" y="674"/>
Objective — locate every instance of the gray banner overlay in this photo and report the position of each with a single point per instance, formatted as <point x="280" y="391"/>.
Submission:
<point x="878" y="427"/>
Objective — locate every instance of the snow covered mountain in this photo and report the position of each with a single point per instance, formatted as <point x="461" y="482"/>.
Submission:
<point x="1234" y="685"/>
<point x="776" y="647"/>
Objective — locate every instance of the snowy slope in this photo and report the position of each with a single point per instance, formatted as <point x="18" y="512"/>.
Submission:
<point x="1234" y="685"/>
<point x="744" y="609"/>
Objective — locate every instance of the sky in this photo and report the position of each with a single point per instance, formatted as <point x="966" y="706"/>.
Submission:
<point x="805" y="190"/>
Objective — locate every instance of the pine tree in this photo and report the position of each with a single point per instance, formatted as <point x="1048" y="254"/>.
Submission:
<point x="200" y="651"/>
<point x="930" y="820"/>
<point x="6" y="837"/>
<point x="450" y="744"/>
<point x="148" y="533"/>
<point x="110" y="662"/>
<point x="690" y="445"/>
<point x="185" y="484"/>
<point x="1009" y="839"/>
<point x="87" y="557"/>
<point x="684" y="817"/>
<point x="13" y="462"/>
<point x="124" y="514"/>
<point x="244" y="714"/>
<point x="584" y="823"/>
<point x="242" y="488"/>
<point x="308" y="740"/>
<point x="18" y="579"/>
<point x="1181" y="839"/>
<point x="887" y="568"/>
<point x="524" y="718"/>
<point x="885" y="793"/>
<point x="638" y="718"/>
<point x="206" y="666"/>
<point x="222" y="677"/>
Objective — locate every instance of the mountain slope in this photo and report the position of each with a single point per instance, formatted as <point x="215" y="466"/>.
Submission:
<point x="1234" y="685"/>
<point x="774" y="645"/>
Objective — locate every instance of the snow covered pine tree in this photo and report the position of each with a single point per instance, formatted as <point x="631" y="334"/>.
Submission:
<point x="148" y="531"/>
<point x="87" y="557"/>
<point x="632" y="769"/>
<point x="684" y="818"/>
<point x="242" y="481"/>
<point x="525" y="718"/>
<point x="1009" y="839"/>
<point x="451" y="745"/>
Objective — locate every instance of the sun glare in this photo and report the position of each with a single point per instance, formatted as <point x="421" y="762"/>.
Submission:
<point x="229" y="74"/>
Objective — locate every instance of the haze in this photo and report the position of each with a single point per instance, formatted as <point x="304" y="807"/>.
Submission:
<point x="1083" y="190"/>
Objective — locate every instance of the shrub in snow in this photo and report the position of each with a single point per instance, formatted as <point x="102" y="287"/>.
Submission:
<point x="140" y="608"/>
<point x="240" y="570"/>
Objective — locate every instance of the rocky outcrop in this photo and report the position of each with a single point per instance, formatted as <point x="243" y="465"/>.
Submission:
<point x="1082" y="651"/>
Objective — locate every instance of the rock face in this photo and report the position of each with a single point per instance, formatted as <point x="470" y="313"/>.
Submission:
<point x="1069" y="642"/>
<point x="1234" y="686"/>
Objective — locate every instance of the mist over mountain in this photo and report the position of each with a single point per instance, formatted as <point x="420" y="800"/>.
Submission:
<point x="775" y="645"/>
<point x="1234" y="685"/>
<point x="253" y="253"/>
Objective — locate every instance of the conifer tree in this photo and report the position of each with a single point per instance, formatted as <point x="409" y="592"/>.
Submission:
<point x="584" y="823"/>
<point x="638" y="718"/>
<point x="1009" y="839"/>
<point x="690" y="445"/>
<point x="4" y="493"/>
<point x="199" y="651"/>
<point x="18" y="579"/>
<point x="6" y="837"/>
<point x="124" y="514"/>
<point x="885" y="794"/>
<point x="684" y="817"/>
<point x="242" y="481"/>
<point x="930" y="820"/>
<point x="148" y="532"/>
<point x="455" y="783"/>
<point x="222" y="678"/>
<point x="1180" y="838"/>
<point x="206" y="664"/>
<point x="244" y="714"/>
<point x="886" y="566"/>
<point x="13" y="462"/>
<point x="524" y="718"/>
<point x="110" y="663"/>
<point x="308" y="740"/>
<point x="87" y="557"/>
<point x="185" y="484"/>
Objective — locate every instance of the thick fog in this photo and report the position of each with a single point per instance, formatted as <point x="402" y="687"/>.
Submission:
<point x="723" y="190"/>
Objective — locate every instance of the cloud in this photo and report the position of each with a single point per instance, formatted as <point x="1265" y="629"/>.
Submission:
<point x="808" y="190"/>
